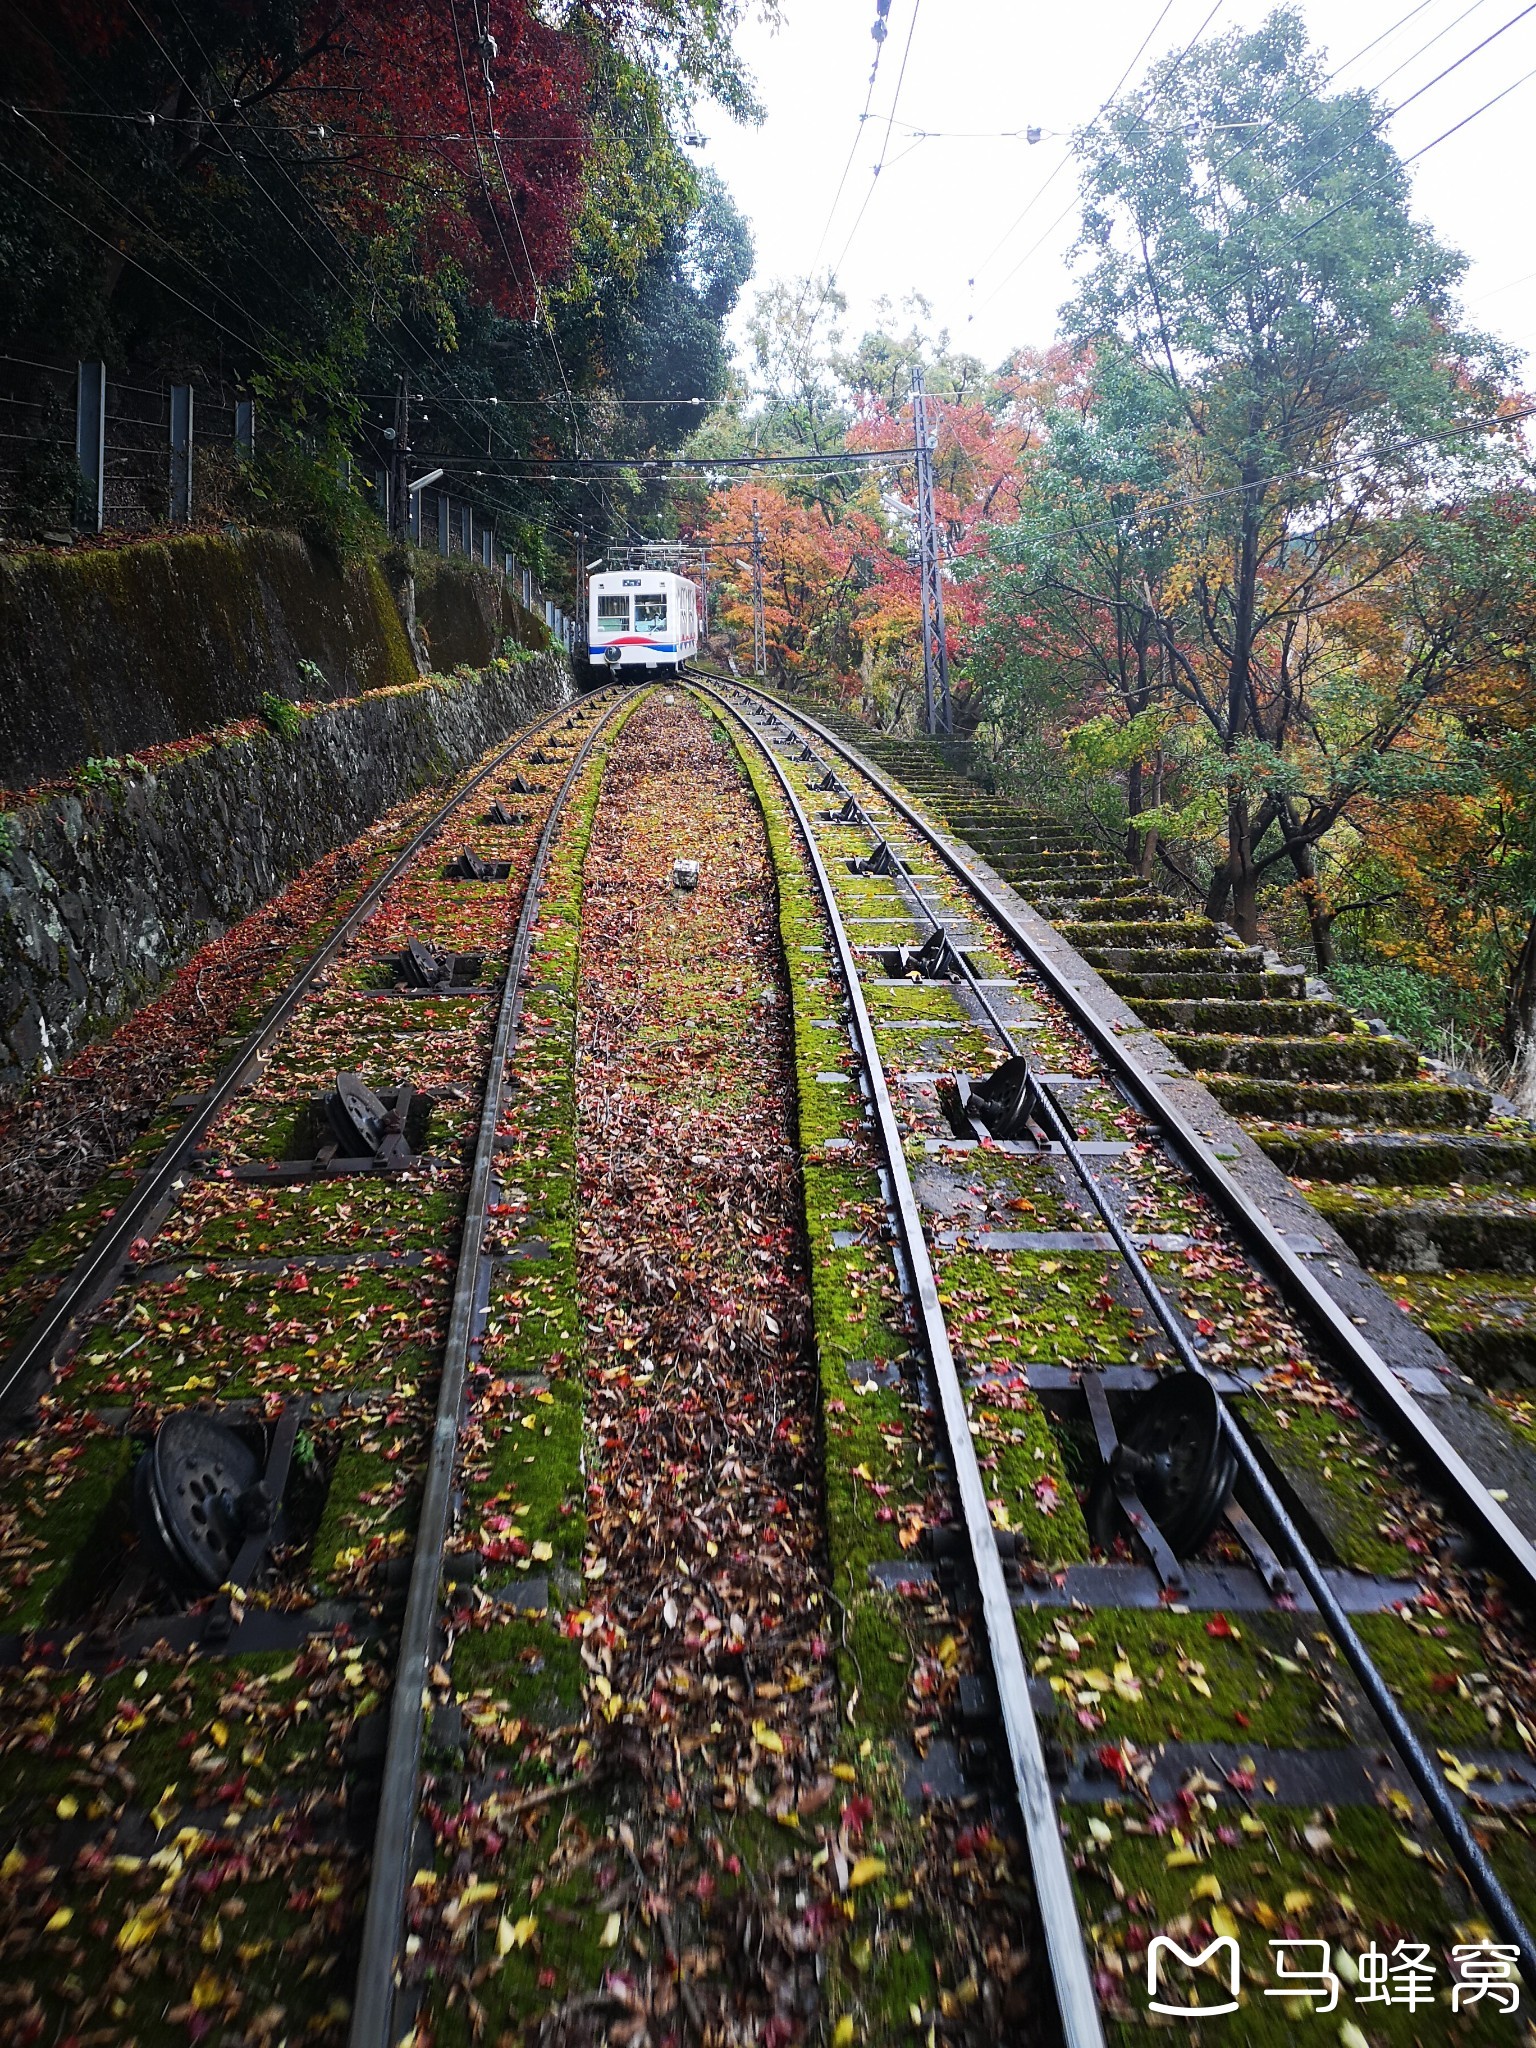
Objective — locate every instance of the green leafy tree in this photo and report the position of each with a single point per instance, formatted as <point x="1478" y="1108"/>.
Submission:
<point x="1250" y="253"/>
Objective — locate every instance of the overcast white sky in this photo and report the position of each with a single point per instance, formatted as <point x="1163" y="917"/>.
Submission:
<point x="946" y="211"/>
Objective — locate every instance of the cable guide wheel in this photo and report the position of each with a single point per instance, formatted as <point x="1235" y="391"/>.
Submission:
<point x="1176" y="1455"/>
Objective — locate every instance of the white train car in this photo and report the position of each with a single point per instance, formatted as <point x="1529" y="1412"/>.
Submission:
<point x="646" y="619"/>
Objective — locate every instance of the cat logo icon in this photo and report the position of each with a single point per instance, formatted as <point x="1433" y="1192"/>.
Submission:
<point x="1224" y="1946"/>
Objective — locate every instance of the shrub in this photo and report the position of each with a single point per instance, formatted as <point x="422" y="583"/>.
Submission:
<point x="284" y="487"/>
<point x="101" y="769"/>
<point x="283" y="717"/>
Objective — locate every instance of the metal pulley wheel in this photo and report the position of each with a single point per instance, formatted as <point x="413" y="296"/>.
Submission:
<point x="197" y="1493"/>
<point x="1004" y="1102"/>
<point x="1178" y="1457"/>
<point x="422" y="967"/>
<point x="357" y="1116"/>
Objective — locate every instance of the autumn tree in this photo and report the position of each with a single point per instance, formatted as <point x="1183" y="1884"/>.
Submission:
<point x="1250" y="255"/>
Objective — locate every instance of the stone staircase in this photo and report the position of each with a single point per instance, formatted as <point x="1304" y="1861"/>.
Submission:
<point x="1404" y="1163"/>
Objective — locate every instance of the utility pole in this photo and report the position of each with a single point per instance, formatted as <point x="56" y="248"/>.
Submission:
<point x="399" y="467"/>
<point x="759" y="634"/>
<point x="931" y="581"/>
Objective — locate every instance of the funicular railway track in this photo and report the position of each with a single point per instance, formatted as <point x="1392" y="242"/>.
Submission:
<point x="271" y="1336"/>
<point x="1153" y="1307"/>
<point x="540" y="1733"/>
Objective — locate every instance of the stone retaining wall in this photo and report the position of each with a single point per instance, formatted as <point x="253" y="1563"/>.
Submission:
<point x="106" y="890"/>
<point x="108" y="651"/>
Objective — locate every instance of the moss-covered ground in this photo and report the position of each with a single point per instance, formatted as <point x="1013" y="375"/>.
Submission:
<point x="175" y="1854"/>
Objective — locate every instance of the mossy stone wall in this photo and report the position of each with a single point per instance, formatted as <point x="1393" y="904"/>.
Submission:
<point x="109" y="651"/>
<point x="105" y="890"/>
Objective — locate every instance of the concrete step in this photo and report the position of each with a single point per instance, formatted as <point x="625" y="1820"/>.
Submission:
<point x="1431" y="1230"/>
<point x="1357" y="1058"/>
<point x="1397" y="1105"/>
<point x="1485" y="1322"/>
<point x="1215" y="1016"/>
<point x="1141" y="934"/>
<point x="1406" y="1158"/>
<point x="1082" y="893"/>
<point x="1252" y="987"/>
<point x="1203" y="958"/>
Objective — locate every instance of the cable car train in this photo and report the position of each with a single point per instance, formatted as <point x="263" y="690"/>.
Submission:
<point x="642" y="619"/>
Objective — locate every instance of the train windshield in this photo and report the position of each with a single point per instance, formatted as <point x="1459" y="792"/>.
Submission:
<point x="613" y="611"/>
<point x="651" y="609"/>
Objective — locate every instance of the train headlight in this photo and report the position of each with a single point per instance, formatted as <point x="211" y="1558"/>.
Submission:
<point x="613" y="655"/>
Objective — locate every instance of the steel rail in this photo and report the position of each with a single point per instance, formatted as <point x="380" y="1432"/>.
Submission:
<point x="373" y="2008"/>
<point x="1071" y="1971"/>
<point x="104" y="1256"/>
<point x="1448" y="1816"/>
<point x="1370" y="1374"/>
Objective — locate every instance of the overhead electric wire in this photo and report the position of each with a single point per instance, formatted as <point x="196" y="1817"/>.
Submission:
<point x="1066" y="156"/>
<point x="541" y="307"/>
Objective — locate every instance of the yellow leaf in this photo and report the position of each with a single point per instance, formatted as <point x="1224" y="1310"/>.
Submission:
<point x="60" y="1920"/>
<point x="842" y="2033"/>
<point x="137" y="1929"/>
<point x="610" y="1933"/>
<point x="901" y="1901"/>
<point x="949" y="1653"/>
<point x="207" y="1991"/>
<point x="1199" y="1685"/>
<point x="1207" y="1887"/>
<point x="543" y="1551"/>
<point x="503" y="1935"/>
<point x="1410" y="1848"/>
<point x="478" y="1893"/>
<point x="1296" y="1902"/>
<point x="1179" y="1859"/>
<point x="1127" y="1684"/>
<point x="866" y="1870"/>
<point x="1251" y="1824"/>
<point x="220" y="1733"/>
<point x="1099" y="1680"/>
<point x="1350" y="2036"/>
<point x="845" y="1772"/>
<point x="525" y="1929"/>
<point x="67" y="1807"/>
<point x="767" y="1739"/>
<point x="1223" y="1923"/>
<point x="1101" y="1831"/>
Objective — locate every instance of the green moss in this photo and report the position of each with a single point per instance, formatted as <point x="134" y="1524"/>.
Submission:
<point x="1035" y="1305"/>
<point x="1352" y="1884"/>
<point x="1185" y="1684"/>
<point x="1313" y="1447"/>
<point x="72" y="1512"/>
<point x="524" y="1668"/>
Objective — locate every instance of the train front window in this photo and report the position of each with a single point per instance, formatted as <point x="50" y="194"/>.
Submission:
<point x="651" y="609"/>
<point x="613" y="613"/>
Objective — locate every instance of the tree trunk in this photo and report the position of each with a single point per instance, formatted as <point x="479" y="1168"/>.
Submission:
<point x="1520" y="1026"/>
<point x="1319" y="913"/>
<point x="1234" y="892"/>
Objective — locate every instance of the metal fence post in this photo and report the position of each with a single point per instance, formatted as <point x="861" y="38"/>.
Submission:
<point x="442" y="522"/>
<point x="181" y="455"/>
<point x="245" y="431"/>
<point x="91" y="440"/>
<point x="467" y="530"/>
